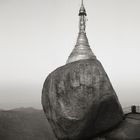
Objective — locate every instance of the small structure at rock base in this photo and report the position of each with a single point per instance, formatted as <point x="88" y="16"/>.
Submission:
<point x="128" y="129"/>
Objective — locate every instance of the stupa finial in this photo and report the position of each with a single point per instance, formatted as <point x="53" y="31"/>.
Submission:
<point x="82" y="49"/>
<point x="82" y="14"/>
<point x="82" y="3"/>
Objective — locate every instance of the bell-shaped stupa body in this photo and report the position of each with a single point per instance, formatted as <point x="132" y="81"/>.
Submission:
<point x="82" y="49"/>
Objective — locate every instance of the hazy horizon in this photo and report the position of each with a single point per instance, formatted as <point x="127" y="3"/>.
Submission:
<point x="37" y="36"/>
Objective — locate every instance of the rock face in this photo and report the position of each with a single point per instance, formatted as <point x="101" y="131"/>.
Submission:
<point x="79" y="101"/>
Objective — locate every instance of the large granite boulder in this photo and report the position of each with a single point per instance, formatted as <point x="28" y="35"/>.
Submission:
<point x="79" y="101"/>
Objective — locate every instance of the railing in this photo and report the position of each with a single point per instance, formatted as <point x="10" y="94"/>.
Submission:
<point x="133" y="109"/>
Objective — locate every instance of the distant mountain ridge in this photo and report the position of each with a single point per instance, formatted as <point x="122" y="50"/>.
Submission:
<point x="24" y="124"/>
<point x="23" y="109"/>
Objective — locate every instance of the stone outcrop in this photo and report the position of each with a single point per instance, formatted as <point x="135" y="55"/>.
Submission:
<point x="79" y="101"/>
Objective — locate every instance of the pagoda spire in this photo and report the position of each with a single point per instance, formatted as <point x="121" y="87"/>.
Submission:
<point x="82" y="21"/>
<point x="82" y="49"/>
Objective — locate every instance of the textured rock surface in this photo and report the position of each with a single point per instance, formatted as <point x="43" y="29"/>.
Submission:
<point x="79" y="101"/>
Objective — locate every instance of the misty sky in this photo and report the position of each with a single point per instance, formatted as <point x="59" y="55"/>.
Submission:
<point x="37" y="36"/>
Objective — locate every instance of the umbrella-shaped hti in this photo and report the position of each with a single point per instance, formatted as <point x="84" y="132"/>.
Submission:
<point x="129" y="129"/>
